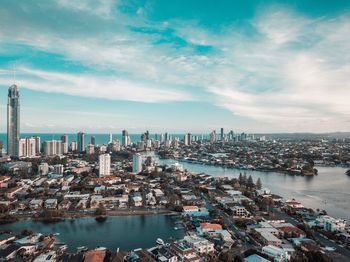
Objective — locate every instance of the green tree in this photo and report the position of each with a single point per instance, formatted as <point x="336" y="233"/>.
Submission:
<point x="258" y="183"/>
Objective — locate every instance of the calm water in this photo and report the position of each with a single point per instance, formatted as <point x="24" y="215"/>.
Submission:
<point x="125" y="232"/>
<point x="328" y="190"/>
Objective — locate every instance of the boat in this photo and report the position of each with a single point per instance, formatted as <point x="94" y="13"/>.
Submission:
<point x="82" y="249"/>
<point x="160" y="241"/>
<point x="56" y="234"/>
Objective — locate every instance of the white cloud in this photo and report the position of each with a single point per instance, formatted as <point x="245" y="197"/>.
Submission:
<point x="292" y="72"/>
<point x="92" y="86"/>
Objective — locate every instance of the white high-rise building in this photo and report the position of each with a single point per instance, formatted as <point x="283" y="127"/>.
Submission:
<point x="27" y="147"/>
<point x="137" y="163"/>
<point x="74" y="146"/>
<point x="110" y="138"/>
<point x="104" y="165"/>
<point x="53" y="148"/>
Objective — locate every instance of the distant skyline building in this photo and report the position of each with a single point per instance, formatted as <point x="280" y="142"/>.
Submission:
<point x="65" y="143"/>
<point x="74" y="146"/>
<point x="187" y="139"/>
<point x="53" y="148"/>
<point x="213" y="136"/>
<point x="93" y="140"/>
<point x="125" y="138"/>
<point x="37" y="144"/>
<point x="90" y="149"/>
<point x="110" y="138"/>
<point x="104" y="165"/>
<point x="81" y="142"/>
<point x="222" y="134"/>
<point x="27" y="147"/>
<point x="137" y="163"/>
<point x="13" y="120"/>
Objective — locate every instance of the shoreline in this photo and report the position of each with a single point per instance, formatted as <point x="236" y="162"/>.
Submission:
<point x="292" y="173"/>
<point x="77" y="215"/>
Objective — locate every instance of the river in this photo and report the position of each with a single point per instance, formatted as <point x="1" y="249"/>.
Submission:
<point x="124" y="232"/>
<point x="328" y="190"/>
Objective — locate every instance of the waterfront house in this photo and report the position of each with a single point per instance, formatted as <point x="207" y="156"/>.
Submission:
<point x="333" y="224"/>
<point x="189" y="209"/>
<point x="51" y="203"/>
<point x="200" y="244"/>
<point x="208" y="227"/>
<point x="278" y="254"/>
<point x="184" y="252"/>
<point x="162" y="254"/>
<point x="35" y="204"/>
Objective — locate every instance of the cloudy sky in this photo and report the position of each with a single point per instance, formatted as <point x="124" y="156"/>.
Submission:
<point x="184" y="65"/>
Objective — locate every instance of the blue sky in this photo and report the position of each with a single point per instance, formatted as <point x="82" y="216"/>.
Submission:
<point x="177" y="66"/>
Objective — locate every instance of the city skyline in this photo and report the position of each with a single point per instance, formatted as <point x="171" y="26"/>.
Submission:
<point x="257" y="67"/>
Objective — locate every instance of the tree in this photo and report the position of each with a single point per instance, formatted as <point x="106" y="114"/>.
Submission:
<point x="258" y="183"/>
<point x="101" y="211"/>
<point x="250" y="182"/>
<point x="240" y="178"/>
<point x="244" y="179"/>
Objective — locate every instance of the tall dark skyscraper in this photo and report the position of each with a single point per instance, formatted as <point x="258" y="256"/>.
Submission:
<point x="81" y="142"/>
<point x="222" y="134"/>
<point x="13" y="121"/>
<point x="93" y="140"/>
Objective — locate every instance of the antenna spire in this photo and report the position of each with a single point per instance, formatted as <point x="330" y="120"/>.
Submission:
<point x="14" y="73"/>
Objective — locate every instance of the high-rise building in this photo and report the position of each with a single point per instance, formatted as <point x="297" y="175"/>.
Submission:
<point x="93" y="140"/>
<point x="13" y="120"/>
<point x="81" y="142"/>
<point x="125" y="138"/>
<point x="27" y="147"/>
<point x="90" y="149"/>
<point x="53" y="148"/>
<point x="104" y="165"/>
<point x="187" y="139"/>
<point x="137" y="163"/>
<point x="65" y="143"/>
<point x="73" y="146"/>
<point x="110" y="138"/>
<point x="37" y="145"/>
<point x="222" y="134"/>
<point x="213" y="136"/>
<point x="114" y="146"/>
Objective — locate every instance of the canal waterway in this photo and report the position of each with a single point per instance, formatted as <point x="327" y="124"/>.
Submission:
<point x="329" y="190"/>
<point x="124" y="232"/>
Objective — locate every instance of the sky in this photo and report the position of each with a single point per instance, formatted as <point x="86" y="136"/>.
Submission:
<point x="179" y="66"/>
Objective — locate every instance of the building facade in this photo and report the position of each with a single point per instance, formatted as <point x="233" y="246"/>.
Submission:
<point x="104" y="165"/>
<point x="13" y="120"/>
